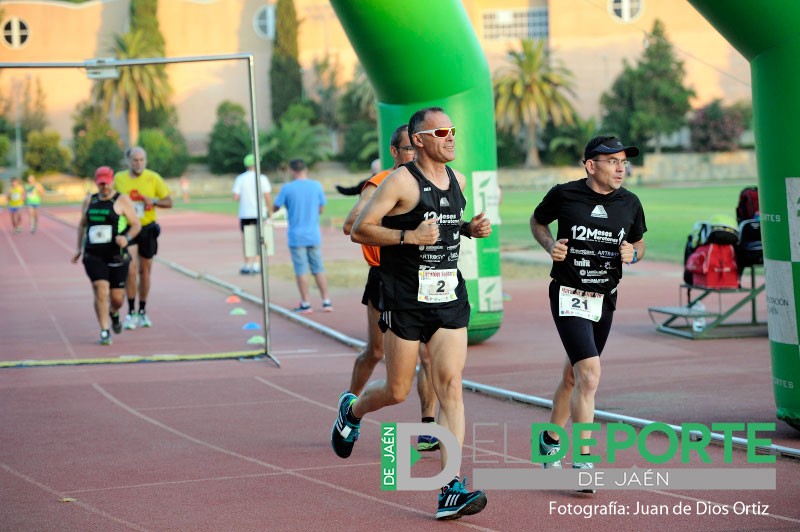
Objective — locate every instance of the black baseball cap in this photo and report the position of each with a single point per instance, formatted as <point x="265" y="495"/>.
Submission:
<point x="607" y="145"/>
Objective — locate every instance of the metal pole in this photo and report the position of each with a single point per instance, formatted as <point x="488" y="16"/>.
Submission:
<point x="260" y="212"/>
<point x="114" y="63"/>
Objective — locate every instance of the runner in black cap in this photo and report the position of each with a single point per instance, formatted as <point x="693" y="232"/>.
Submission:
<point x="600" y="227"/>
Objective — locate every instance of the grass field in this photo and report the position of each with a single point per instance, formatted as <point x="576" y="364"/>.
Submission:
<point x="670" y="211"/>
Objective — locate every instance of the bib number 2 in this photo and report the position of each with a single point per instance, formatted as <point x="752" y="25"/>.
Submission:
<point x="580" y="304"/>
<point x="437" y="286"/>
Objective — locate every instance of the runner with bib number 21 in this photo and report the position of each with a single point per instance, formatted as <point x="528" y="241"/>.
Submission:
<point x="600" y="226"/>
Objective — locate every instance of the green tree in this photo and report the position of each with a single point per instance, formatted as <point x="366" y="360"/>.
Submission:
<point x="145" y="85"/>
<point x="163" y="155"/>
<point x="45" y="154"/>
<point x="326" y="90"/>
<point x="533" y="90"/>
<point x="5" y="144"/>
<point x="296" y="137"/>
<point x="94" y="142"/>
<point x="650" y="99"/>
<point x="34" y="111"/>
<point x="230" y="139"/>
<point x="716" y="127"/>
<point x="565" y="143"/>
<point x="286" y="83"/>
<point x="358" y="102"/>
<point x="144" y="16"/>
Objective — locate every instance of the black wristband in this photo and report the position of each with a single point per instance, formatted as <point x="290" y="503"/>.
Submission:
<point x="402" y="236"/>
<point x="464" y="230"/>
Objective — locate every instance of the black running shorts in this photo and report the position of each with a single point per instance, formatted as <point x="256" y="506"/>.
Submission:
<point x="422" y="324"/>
<point x="372" y="291"/>
<point x="147" y="240"/>
<point x="582" y="338"/>
<point x="114" y="270"/>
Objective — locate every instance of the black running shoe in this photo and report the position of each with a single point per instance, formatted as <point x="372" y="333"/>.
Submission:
<point x="455" y="501"/>
<point x="344" y="434"/>
<point x="115" y="323"/>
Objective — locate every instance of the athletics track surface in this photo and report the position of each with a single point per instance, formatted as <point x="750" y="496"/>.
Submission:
<point x="242" y="445"/>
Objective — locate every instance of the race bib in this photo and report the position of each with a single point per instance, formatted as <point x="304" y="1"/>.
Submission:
<point x="100" y="234"/>
<point x="139" y="208"/>
<point x="437" y="286"/>
<point x="587" y="305"/>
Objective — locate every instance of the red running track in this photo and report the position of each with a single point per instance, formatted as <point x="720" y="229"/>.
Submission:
<point x="243" y="445"/>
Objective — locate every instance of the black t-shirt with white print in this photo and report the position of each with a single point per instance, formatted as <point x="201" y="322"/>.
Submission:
<point x="594" y="225"/>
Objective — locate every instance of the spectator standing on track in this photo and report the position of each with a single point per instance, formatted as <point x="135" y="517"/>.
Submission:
<point x="402" y="152"/>
<point x="184" y="184"/>
<point x="244" y="191"/>
<point x="147" y="190"/>
<point x="16" y="200"/>
<point x="304" y="200"/>
<point x="424" y="295"/>
<point x="107" y="227"/>
<point x="600" y="226"/>
<point x="34" y="191"/>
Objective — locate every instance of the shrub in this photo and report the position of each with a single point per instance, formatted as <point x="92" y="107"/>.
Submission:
<point x="45" y="154"/>
<point x="5" y="144"/>
<point x="95" y="143"/>
<point x="716" y="127"/>
<point x="230" y="139"/>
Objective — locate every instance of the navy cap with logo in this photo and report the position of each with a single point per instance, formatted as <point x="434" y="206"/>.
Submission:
<point x="607" y="145"/>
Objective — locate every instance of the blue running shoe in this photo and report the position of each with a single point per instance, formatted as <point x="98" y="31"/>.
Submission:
<point x="344" y="434"/>
<point x="549" y="450"/>
<point x="427" y="443"/>
<point x="455" y="501"/>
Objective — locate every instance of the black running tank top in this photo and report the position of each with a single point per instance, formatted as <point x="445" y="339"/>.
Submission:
<point x="421" y="277"/>
<point x="103" y="224"/>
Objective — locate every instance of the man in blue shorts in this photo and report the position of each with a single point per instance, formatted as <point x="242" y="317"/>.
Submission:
<point x="304" y="200"/>
<point x="600" y="227"/>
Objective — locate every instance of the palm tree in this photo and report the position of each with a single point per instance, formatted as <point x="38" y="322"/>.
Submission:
<point x="147" y="85"/>
<point x="530" y="92"/>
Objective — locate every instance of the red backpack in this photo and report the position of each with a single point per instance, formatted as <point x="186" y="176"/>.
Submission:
<point x="748" y="204"/>
<point x="713" y="266"/>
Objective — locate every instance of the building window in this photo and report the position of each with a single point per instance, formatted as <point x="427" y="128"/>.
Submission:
<point x="264" y="22"/>
<point x="15" y="32"/>
<point x="625" y="10"/>
<point x="502" y="24"/>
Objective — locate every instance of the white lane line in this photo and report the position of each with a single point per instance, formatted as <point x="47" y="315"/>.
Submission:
<point x="262" y="463"/>
<point x="61" y="495"/>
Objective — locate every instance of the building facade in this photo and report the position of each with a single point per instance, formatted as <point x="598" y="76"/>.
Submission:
<point x="592" y="38"/>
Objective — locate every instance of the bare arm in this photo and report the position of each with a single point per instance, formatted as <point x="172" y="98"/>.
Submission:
<point x="268" y="201"/>
<point x="626" y="250"/>
<point x="556" y="249"/>
<point x="124" y="205"/>
<point x="81" y="230"/>
<point x="397" y="194"/>
<point x="366" y="194"/>
<point x="164" y="203"/>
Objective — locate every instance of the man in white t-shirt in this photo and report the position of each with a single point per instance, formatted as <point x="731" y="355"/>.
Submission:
<point x="244" y="191"/>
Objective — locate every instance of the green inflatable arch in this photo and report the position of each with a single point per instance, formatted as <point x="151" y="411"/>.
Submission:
<point x="768" y="35"/>
<point x="422" y="53"/>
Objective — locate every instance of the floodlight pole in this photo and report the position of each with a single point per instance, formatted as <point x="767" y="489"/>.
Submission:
<point x="95" y="64"/>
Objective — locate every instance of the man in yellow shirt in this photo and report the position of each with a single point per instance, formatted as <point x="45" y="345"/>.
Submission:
<point x="147" y="190"/>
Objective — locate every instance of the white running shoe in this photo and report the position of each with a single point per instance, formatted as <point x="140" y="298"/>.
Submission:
<point x="131" y="321"/>
<point x="144" y="321"/>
